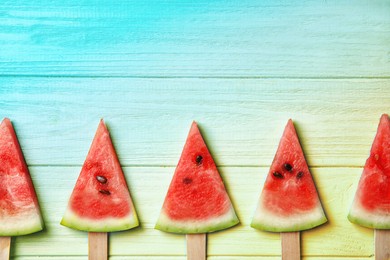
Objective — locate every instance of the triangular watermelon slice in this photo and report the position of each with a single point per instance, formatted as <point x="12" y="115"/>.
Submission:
<point x="19" y="209"/>
<point x="196" y="201"/>
<point x="100" y="201"/>
<point x="289" y="201"/>
<point x="371" y="205"/>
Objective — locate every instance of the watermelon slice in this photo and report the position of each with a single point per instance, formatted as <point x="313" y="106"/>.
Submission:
<point x="196" y="201"/>
<point x="371" y="205"/>
<point x="19" y="209"/>
<point x="289" y="201"/>
<point x="100" y="201"/>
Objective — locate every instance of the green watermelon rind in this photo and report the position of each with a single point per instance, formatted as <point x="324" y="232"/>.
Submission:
<point x="227" y="220"/>
<point x="73" y="221"/>
<point x="359" y="214"/>
<point x="10" y="232"/>
<point x="268" y="221"/>
<point x="22" y="225"/>
<point x="366" y="219"/>
<point x="26" y="218"/>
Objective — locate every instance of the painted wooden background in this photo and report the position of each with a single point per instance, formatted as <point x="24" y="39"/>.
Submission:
<point x="240" y="68"/>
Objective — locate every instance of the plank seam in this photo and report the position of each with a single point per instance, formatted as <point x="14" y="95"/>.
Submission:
<point x="195" y="77"/>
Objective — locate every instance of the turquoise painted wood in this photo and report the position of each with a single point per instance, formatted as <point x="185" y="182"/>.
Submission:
<point x="242" y="119"/>
<point x="195" y="38"/>
<point x="240" y="68"/>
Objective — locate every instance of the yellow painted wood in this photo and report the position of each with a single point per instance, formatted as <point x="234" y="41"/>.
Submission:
<point x="184" y="258"/>
<point x="241" y="119"/>
<point x="148" y="185"/>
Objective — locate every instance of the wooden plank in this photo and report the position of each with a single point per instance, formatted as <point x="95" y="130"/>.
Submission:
<point x="291" y="245"/>
<point x="196" y="39"/>
<point x="196" y="246"/>
<point x="382" y="244"/>
<point x="56" y="118"/>
<point x="148" y="185"/>
<point x="184" y="258"/>
<point x="240" y="68"/>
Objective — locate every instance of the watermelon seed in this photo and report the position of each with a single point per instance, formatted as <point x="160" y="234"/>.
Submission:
<point x="187" y="180"/>
<point x="278" y="175"/>
<point x="199" y="159"/>
<point x="299" y="175"/>
<point x="105" y="192"/>
<point x="101" y="179"/>
<point x="288" y="167"/>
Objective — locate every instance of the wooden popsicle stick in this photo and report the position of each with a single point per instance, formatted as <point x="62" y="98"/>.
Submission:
<point x="5" y="245"/>
<point x="196" y="246"/>
<point x="291" y="246"/>
<point x="382" y="244"/>
<point x="97" y="246"/>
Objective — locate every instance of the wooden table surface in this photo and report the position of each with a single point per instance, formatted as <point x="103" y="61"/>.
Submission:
<point x="241" y="69"/>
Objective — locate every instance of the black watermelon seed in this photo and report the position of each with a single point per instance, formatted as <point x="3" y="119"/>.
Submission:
<point x="299" y="175"/>
<point x="105" y="192"/>
<point x="199" y="159"/>
<point x="288" y="167"/>
<point x="187" y="180"/>
<point x="101" y="179"/>
<point x="278" y="175"/>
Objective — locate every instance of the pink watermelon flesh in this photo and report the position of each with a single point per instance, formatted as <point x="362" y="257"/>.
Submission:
<point x="196" y="201"/>
<point x="19" y="209"/>
<point x="289" y="200"/>
<point x="100" y="201"/>
<point x="371" y="205"/>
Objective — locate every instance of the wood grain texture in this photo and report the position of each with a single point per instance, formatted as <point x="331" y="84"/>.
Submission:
<point x="196" y="39"/>
<point x="148" y="185"/>
<point x="291" y="245"/>
<point x="196" y="246"/>
<point x="242" y="122"/>
<point x="382" y="244"/>
<point x="184" y="258"/>
<point x="240" y="68"/>
<point x="97" y="245"/>
<point x="5" y="247"/>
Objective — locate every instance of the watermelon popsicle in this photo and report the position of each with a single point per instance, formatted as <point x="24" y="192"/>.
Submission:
<point x="19" y="208"/>
<point x="289" y="201"/>
<point x="100" y="201"/>
<point x="196" y="202"/>
<point x="370" y="207"/>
